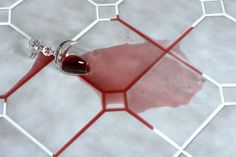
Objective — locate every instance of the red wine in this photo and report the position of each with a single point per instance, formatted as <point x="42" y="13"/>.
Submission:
<point x="117" y="66"/>
<point x="75" y="65"/>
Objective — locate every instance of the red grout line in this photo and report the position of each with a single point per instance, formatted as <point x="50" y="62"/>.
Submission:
<point x="38" y="66"/>
<point x="78" y="134"/>
<point x="103" y="101"/>
<point x="126" y="100"/>
<point x="140" y="33"/>
<point x="185" y="62"/>
<point x="2" y="97"/>
<point x="115" y="109"/>
<point x="178" y="39"/>
<point x="145" y="71"/>
<point x="140" y="119"/>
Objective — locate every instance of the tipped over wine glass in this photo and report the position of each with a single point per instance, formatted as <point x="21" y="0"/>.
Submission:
<point x="70" y="57"/>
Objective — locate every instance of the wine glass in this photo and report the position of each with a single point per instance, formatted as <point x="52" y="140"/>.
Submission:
<point x="70" y="57"/>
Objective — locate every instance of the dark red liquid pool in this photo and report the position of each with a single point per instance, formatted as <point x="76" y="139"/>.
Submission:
<point x="75" y="65"/>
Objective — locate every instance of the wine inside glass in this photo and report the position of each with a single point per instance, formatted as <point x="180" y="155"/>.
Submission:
<point x="70" y="57"/>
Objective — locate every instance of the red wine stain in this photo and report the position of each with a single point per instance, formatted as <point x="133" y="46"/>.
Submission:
<point x="168" y="83"/>
<point x="117" y="66"/>
<point x="75" y="65"/>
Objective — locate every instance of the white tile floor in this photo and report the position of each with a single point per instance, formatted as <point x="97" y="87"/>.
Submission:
<point x="52" y="107"/>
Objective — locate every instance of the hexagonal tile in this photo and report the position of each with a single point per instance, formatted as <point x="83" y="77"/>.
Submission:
<point x="209" y="50"/>
<point x="218" y="138"/>
<point x="54" y="22"/>
<point x="161" y="20"/>
<point x="173" y="98"/>
<point x="15" y="144"/>
<point x="230" y="7"/>
<point x="118" y="134"/>
<point x="14" y="62"/>
<point x="6" y="3"/>
<point x="114" y="30"/>
<point x="53" y="106"/>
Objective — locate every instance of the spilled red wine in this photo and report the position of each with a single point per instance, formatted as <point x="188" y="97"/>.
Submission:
<point x="168" y="83"/>
<point x="75" y="65"/>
